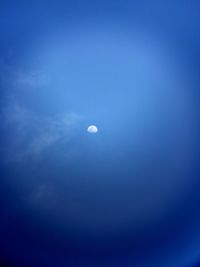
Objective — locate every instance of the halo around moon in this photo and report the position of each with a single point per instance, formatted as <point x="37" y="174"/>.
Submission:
<point x="92" y="129"/>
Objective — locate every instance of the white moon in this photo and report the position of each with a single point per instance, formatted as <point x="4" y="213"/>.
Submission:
<point x="92" y="129"/>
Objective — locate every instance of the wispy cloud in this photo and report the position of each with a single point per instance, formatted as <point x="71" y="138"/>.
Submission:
<point x="20" y="79"/>
<point x="29" y="134"/>
<point x="32" y="79"/>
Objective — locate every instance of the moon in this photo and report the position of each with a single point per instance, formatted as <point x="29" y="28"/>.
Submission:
<point x="92" y="129"/>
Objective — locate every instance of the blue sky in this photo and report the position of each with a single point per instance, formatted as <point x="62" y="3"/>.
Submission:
<point x="128" y="195"/>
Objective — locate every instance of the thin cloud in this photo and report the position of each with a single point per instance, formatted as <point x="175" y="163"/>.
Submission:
<point x="30" y="134"/>
<point x="32" y="79"/>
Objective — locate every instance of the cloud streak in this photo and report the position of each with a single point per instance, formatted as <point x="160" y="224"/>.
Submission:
<point x="30" y="134"/>
<point x="34" y="79"/>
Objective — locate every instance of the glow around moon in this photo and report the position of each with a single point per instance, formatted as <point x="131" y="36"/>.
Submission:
<point x="92" y="129"/>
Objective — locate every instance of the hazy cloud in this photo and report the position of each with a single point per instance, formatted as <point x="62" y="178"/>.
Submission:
<point x="32" y="79"/>
<point x="18" y="78"/>
<point x="29" y="134"/>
